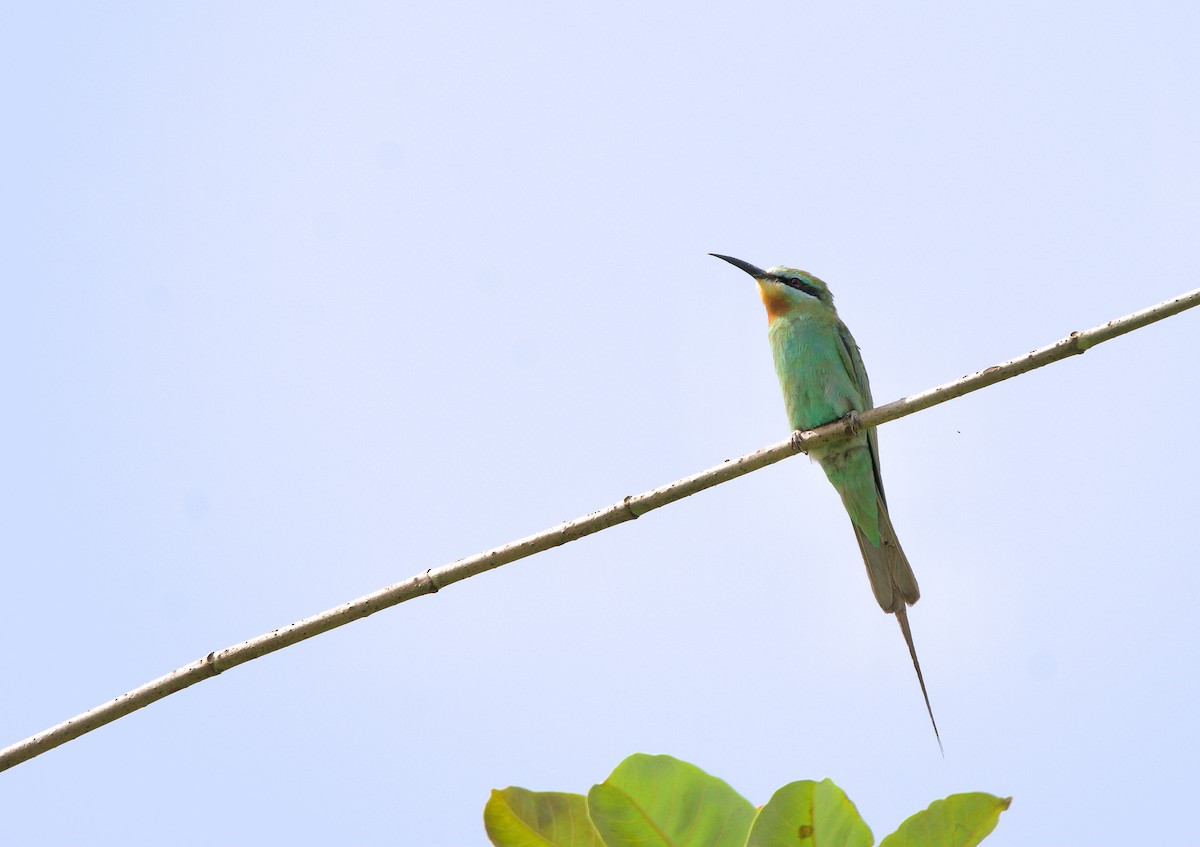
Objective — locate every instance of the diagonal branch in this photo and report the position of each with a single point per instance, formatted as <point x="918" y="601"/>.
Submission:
<point x="628" y="509"/>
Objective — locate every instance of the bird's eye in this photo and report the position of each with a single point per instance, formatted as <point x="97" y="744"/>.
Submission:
<point x="801" y="285"/>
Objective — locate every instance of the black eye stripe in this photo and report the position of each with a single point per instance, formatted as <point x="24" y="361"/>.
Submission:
<point x="800" y="285"/>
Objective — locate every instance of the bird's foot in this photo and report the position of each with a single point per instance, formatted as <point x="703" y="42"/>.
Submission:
<point x="852" y="423"/>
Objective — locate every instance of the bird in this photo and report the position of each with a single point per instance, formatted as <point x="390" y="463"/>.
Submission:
<point x="823" y="379"/>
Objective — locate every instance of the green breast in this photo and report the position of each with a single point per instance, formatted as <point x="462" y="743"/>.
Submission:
<point x="816" y="386"/>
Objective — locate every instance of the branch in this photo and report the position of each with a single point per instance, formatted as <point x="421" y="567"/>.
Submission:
<point x="628" y="509"/>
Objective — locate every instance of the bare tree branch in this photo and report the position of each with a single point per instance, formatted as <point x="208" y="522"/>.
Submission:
<point x="628" y="509"/>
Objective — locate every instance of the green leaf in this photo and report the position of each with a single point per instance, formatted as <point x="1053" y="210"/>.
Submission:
<point x="810" y="814"/>
<point x="961" y="820"/>
<point x="658" y="801"/>
<point x="516" y="817"/>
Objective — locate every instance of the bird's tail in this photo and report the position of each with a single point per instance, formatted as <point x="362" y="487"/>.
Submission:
<point x="895" y="588"/>
<point x="891" y="576"/>
<point x="902" y="617"/>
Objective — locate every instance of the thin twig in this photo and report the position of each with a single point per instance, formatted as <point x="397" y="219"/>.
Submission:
<point x="628" y="509"/>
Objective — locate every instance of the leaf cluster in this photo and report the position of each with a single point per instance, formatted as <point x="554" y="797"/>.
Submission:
<point x="659" y="801"/>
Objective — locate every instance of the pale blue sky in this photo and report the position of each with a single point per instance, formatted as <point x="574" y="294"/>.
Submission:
<point x="302" y="299"/>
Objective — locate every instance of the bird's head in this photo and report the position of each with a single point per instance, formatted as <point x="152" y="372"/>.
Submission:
<point x="786" y="290"/>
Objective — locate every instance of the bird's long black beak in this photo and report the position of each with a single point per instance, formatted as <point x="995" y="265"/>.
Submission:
<point x="757" y="273"/>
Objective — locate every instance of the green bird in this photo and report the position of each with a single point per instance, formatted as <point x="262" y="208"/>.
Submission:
<point x="823" y="379"/>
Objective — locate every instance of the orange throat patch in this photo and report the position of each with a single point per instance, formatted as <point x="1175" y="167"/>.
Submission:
<point x="774" y="299"/>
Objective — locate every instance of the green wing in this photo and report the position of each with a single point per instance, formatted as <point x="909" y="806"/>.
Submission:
<point x="853" y="363"/>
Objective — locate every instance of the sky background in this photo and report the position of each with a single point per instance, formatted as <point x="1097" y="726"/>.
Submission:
<point x="303" y="299"/>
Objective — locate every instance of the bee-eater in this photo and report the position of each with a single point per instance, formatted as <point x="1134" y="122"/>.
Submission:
<point x="823" y="379"/>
